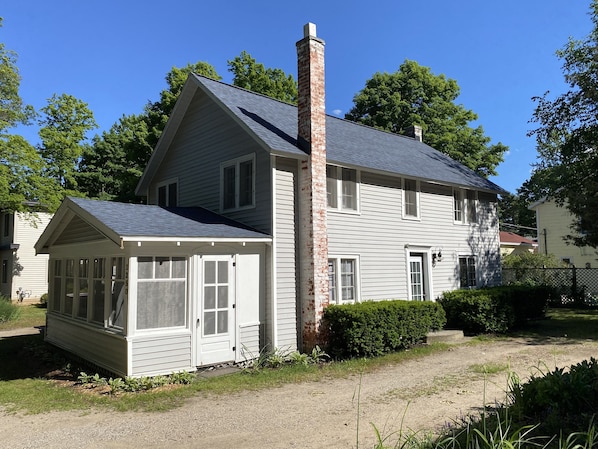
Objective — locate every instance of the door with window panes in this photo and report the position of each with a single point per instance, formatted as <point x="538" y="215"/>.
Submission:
<point x="216" y="317"/>
<point x="417" y="281"/>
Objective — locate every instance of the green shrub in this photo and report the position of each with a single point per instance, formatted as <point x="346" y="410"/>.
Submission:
<point x="43" y="300"/>
<point x="494" y="310"/>
<point x="8" y="310"/>
<point x="561" y="400"/>
<point x="373" y="328"/>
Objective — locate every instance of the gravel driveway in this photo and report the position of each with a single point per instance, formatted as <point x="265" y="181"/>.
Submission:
<point x="419" y="394"/>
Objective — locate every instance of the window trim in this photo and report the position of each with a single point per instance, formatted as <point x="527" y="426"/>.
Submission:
<point x="337" y="180"/>
<point x="167" y="183"/>
<point x="236" y="163"/>
<point x="417" y="191"/>
<point x="458" y="196"/>
<point x="466" y="206"/>
<point x="336" y="261"/>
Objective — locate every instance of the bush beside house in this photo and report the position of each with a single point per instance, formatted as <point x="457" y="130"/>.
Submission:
<point x="370" y="329"/>
<point x="494" y="310"/>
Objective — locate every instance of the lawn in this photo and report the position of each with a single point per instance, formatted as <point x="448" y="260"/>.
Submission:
<point x="35" y="377"/>
<point x="31" y="315"/>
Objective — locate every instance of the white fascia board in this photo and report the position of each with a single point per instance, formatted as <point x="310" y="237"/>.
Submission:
<point x="196" y="239"/>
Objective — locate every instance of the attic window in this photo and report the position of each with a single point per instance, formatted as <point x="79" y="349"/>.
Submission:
<point x="167" y="194"/>
<point x="237" y="183"/>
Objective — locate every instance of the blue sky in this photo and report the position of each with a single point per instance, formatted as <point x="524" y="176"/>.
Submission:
<point x="114" y="55"/>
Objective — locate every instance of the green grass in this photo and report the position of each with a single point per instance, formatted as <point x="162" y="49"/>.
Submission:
<point x="30" y="315"/>
<point x="24" y="387"/>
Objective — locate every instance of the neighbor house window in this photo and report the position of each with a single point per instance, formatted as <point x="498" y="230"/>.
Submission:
<point x="237" y="183"/>
<point x="467" y="272"/>
<point x="342" y="188"/>
<point x="410" y="198"/>
<point x="161" y="292"/>
<point x="342" y="280"/>
<point x="168" y="194"/>
<point x="6" y="224"/>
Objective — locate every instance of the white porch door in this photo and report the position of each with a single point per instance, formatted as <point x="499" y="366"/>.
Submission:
<point x="417" y="282"/>
<point x="216" y="320"/>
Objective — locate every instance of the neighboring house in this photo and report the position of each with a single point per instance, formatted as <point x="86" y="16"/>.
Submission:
<point x="260" y="215"/>
<point x="511" y="243"/>
<point x="554" y="223"/>
<point x="21" y="267"/>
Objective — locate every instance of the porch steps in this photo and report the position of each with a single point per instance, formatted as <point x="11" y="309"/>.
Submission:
<point x="445" y="336"/>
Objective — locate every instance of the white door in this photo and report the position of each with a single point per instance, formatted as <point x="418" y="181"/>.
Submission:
<point x="216" y="320"/>
<point x="416" y="277"/>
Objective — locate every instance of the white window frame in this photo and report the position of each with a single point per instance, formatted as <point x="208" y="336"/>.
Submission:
<point x="338" y="278"/>
<point x="236" y="163"/>
<point x="467" y="258"/>
<point x="417" y="199"/>
<point x="471" y="200"/>
<point x="458" y="198"/>
<point x="166" y="184"/>
<point x="334" y="188"/>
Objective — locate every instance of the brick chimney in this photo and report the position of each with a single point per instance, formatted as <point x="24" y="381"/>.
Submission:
<point x="415" y="132"/>
<point x="313" y="234"/>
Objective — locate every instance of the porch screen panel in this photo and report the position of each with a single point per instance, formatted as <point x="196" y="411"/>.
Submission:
<point x="82" y="288"/>
<point x="57" y="287"/>
<point x="99" y="290"/>
<point x="117" y="292"/>
<point x="161" y="292"/>
<point x="69" y="286"/>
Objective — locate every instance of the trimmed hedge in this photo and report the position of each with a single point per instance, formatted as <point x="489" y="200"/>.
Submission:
<point x="373" y="328"/>
<point x="494" y="310"/>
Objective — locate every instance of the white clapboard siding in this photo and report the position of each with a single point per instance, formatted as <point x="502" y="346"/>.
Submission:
<point x="161" y="354"/>
<point x="198" y="178"/>
<point x="107" y="350"/>
<point x="284" y="241"/>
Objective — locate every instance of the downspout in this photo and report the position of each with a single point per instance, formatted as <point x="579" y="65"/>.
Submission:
<point x="545" y="242"/>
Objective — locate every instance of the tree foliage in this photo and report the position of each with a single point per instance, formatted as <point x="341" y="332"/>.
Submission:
<point x="413" y="95"/>
<point x="567" y="135"/>
<point x="514" y="214"/>
<point x="251" y="75"/>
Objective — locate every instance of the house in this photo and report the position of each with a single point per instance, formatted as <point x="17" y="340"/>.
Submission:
<point x="553" y="225"/>
<point x="21" y="268"/>
<point x="511" y="243"/>
<point x="259" y="215"/>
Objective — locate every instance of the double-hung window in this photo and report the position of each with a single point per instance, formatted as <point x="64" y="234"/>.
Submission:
<point x="342" y="280"/>
<point x="465" y="206"/>
<point x="458" y="206"/>
<point x="410" y="198"/>
<point x="467" y="273"/>
<point x="472" y="206"/>
<point x="237" y="183"/>
<point x="168" y="194"/>
<point x="342" y="188"/>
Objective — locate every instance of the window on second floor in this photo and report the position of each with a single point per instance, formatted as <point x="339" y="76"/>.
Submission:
<point x="237" y="183"/>
<point x="342" y="188"/>
<point x="410" y="198"/>
<point x="465" y="206"/>
<point x="168" y="194"/>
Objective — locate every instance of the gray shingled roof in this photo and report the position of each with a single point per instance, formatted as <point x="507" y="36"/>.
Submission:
<point x="132" y="220"/>
<point x="348" y="143"/>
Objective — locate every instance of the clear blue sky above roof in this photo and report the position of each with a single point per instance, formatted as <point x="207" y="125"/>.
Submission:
<point x="114" y="55"/>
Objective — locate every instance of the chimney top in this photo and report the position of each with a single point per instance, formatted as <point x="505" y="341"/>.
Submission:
<point x="415" y="132"/>
<point x="309" y="30"/>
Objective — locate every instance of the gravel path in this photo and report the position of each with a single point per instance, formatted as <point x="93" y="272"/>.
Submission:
<point x="420" y="394"/>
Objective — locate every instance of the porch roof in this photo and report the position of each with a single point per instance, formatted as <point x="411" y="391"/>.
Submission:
<point x="122" y="222"/>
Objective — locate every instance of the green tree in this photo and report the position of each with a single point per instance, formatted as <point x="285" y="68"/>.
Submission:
<point x="251" y="75"/>
<point x="413" y="95"/>
<point x="64" y="124"/>
<point x="567" y="135"/>
<point x="111" y="167"/>
<point x="515" y="216"/>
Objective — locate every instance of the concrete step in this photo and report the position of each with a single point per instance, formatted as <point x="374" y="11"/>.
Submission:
<point x="445" y="336"/>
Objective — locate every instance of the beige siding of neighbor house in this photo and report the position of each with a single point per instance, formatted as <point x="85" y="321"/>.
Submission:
<point x="381" y="238"/>
<point x="554" y="223"/>
<point x="29" y="271"/>
<point x="198" y="178"/>
<point x="285" y="287"/>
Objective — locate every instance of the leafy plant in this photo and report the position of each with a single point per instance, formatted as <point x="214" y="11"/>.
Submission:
<point x="8" y="310"/>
